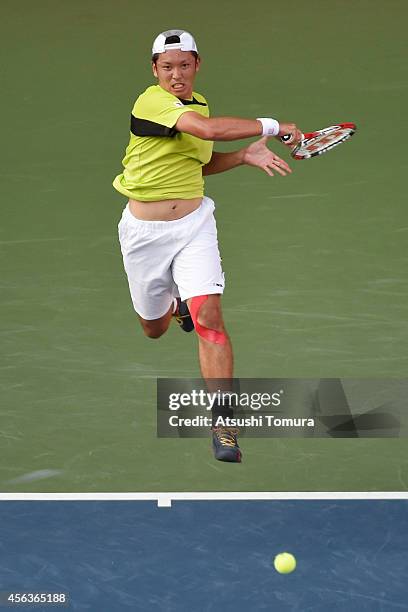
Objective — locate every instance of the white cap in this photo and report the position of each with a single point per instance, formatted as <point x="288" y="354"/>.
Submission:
<point x="174" y="39"/>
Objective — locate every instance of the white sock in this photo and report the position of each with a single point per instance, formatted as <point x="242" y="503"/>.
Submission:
<point x="174" y="305"/>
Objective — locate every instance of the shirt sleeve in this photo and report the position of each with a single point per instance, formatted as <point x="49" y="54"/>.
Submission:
<point x="160" y="107"/>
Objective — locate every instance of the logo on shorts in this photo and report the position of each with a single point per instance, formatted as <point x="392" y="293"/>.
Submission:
<point x="218" y="285"/>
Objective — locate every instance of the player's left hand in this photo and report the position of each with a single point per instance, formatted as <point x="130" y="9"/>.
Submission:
<point x="257" y="154"/>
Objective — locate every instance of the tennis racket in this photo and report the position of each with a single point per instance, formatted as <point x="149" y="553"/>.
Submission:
<point x="321" y="141"/>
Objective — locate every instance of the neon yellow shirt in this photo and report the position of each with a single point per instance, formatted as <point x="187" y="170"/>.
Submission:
<point x="161" y="163"/>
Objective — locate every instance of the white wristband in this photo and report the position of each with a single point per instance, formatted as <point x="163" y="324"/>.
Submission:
<point x="270" y="127"/>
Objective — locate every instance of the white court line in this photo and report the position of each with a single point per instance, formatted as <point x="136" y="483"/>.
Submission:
<point x="296" y="195"/>
<point x="165" y="499"/>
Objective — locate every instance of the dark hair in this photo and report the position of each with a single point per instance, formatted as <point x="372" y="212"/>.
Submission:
<point x="155" y="56"/>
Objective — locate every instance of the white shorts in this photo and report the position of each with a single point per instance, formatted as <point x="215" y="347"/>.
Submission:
<point x="167" y="259"/>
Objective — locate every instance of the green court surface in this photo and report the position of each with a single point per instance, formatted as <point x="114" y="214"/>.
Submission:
<point x="315" y="262"/>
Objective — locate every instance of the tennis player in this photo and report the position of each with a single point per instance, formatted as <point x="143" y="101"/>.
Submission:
<point x="167" y="232"/>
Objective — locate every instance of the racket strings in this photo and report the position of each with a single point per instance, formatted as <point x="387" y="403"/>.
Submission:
<point x="324" y="140"/>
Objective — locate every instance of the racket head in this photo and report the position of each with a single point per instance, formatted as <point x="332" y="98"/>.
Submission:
<point x="322" y="141"/>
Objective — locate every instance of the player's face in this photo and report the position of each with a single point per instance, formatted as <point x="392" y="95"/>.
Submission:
<point x="176" y="71"/>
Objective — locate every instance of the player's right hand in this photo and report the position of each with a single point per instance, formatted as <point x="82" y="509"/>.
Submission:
<point x="290" y="129"/>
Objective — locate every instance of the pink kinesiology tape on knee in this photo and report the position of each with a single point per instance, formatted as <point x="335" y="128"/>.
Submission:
<point x="212" y="335"/>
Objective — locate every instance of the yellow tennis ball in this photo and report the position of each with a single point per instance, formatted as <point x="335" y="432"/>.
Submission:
<point x="284" y="563"/>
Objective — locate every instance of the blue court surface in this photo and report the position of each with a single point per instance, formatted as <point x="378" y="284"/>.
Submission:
<point x="201" y="555"/>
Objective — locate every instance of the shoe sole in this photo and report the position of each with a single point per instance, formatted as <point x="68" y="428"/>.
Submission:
<point x="237" y="458"/>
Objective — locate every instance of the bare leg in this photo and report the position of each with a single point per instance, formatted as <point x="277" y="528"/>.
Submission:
<point x="216" y="360"/>
<point x="156" y="327"/>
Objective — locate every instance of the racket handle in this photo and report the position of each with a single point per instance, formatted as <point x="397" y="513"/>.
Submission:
<point x="286" y="138"/>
